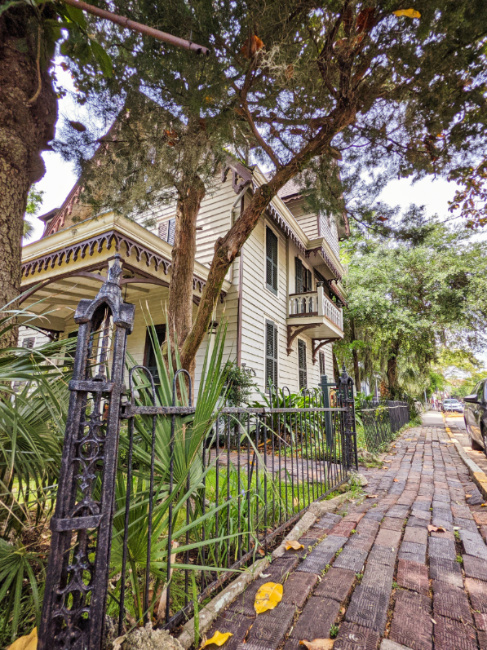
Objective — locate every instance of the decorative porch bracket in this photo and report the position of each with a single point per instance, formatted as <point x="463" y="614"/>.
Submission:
<point x="73" y="612"/>
<point x="318" y="344"/>
<point x="292" y="332"/>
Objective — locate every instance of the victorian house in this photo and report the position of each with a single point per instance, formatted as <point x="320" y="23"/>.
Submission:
<point x="282" y="300"/>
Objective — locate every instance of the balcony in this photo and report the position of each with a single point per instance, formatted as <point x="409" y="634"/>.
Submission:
<point x="314" y="313"/>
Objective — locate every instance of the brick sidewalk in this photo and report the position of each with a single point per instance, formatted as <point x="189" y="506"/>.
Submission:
<point x="375" y="573"/>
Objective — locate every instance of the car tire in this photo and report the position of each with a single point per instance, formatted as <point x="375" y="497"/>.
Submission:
<point x="484" y="438"/>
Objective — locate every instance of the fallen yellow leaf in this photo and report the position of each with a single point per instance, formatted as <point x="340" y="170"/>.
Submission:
<point x="396" y="480"/>
<point x="268" y="596"/>
<point x="372" y="496"/>
<point x="318" y="644"/>
<point x="28" y="642"/>
<point x="482" y="505"/>
<point x="219" y="638"/>
<point x="292" y="543"/>
<point x="408" y="13"/>
<point x="467" y="496"/>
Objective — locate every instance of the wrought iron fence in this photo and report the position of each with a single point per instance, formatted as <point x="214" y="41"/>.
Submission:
<point x="381" y="422"/>
<point x="149" y="518"/>
<point x="259" y="469"/>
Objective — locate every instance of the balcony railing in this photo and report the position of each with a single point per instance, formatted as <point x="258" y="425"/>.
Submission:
<point x="330" y="235"/>
<point x="315" y="303"/>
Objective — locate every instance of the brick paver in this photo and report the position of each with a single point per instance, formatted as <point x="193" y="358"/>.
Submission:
<point x="375" y="575"/>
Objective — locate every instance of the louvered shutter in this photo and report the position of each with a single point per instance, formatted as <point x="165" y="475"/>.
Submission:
<point x="298" y="266"/>
<point x="322" y="364"/>
<point x="271" y="355"/>
<point x="303" y="375"/>
<point x="167" y="230"/>
<point x="171" y="231"/>
<point x="271" y="260"/>
<point x="163" y="230"/>
<point x="308" y="283"/>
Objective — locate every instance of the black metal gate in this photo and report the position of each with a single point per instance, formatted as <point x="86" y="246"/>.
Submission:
<point x="206" y="511"/>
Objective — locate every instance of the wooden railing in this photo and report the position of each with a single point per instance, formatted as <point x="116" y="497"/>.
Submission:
<point x="315" y="303"/>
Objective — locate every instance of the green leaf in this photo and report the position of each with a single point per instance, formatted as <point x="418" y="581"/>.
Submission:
<point x="76" y="15"/>
<point x="102" y="58"/>
<point x="12" y="3"/>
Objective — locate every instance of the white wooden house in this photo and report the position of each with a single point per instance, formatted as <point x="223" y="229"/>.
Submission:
<point x="281" y="298"/>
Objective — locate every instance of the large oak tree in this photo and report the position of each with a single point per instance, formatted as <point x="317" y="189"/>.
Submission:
<point x="302" y="84"/>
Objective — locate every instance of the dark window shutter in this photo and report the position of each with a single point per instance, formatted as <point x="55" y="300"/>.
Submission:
<point x="271" y="260"/>
<point x="150" y="355"/>
<point x="308" y="283"/>
<point x="163" y="230"/>
<point x="322" y="364"/>
<point x="303" y="375"/>
<point x="167" y="230"/>
<point x="171" y="231"/>
<point x="298" y="265"/>
<point x="271" y="354"/>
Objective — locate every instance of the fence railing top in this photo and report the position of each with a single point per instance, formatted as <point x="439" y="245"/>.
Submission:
<point x="131" y="411"/>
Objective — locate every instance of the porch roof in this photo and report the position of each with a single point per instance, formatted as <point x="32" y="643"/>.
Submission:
<point x="60" y="269"/>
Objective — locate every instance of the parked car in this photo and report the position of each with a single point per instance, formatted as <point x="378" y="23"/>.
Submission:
<point x="452" y="405"/>
<point x="475" y="417"/>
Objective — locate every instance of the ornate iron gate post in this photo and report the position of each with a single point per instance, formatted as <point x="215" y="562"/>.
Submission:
<point x="326" y="404"/>
<point x="77" y="576"/>
<point x="345" y="390"/>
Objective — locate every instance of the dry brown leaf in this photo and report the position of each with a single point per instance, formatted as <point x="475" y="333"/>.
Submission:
<point x="251" y="46"/>
<point x="436" y="529"/>
<point x="396" y="480"/>
<point x="365" y="19"/>
<point x="294" y="544"/>
<point x="260" y="551"/>
<point x="482" y="505"/>
<point x="295" y="502"/>
<point x="318" y="644"/>
<point x="372" y="496"/>
<point x="289" y="71"/>
<point x="467" y="496"/>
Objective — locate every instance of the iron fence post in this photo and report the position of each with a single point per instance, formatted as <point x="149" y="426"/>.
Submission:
<point x="345" y="389"/>
<point x="326" y="404"/>
<point x="73" y="613"/>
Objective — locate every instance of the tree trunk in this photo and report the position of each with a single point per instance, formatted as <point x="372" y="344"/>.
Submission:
<point x="228" y="247"/>
<point x="356" y="369"/>
<point x="392" y="369"/>
<point x="191" y="193"/>
<point x="28" y="112"/>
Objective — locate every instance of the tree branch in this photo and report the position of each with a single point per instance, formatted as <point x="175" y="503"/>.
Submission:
<point x="138" y="27"/>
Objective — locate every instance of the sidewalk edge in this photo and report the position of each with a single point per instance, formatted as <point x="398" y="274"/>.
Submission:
<point x="478" y="476"/>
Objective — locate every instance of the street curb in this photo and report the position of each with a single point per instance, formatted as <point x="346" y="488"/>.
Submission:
<point x="478" y="475"/>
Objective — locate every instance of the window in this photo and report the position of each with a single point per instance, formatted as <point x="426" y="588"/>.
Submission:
<point x="150" y="355"/>
<point x="304" y="281"/>
<point x="322" y="364"/>
<point x="167" y="230"/>
<point x="271" y="260"/>
<point x="270" y="354"/>
<point x="303" y="374"/>
<point x="29" y="342"/>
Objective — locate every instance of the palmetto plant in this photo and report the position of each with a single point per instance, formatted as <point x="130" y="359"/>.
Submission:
<point x="33" y="408"/>
<point x="177" y="506"/>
